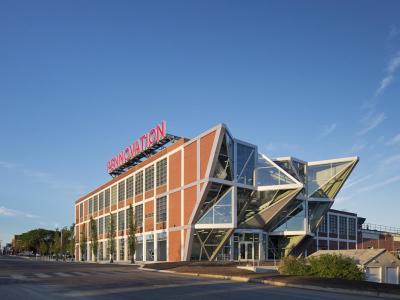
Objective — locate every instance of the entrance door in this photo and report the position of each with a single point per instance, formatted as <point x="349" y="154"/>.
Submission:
<point x="246" y="251"/>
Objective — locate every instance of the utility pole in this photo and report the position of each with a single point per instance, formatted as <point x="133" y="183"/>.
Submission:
<point x="62" y="244"/>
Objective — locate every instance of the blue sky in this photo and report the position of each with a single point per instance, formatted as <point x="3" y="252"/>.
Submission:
<point x="79" y="80"/>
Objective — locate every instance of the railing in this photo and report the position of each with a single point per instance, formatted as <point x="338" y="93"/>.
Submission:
<point x="381" y="228"/>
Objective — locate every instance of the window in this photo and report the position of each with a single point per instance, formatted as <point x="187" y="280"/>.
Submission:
<point x="101" y="200"/>
<point x="149" y="247"/>
<point x="332" y="224"/>
<point x="122" y="249"/>
<point x="139" y="183"/>
<point x="96" y="203"/>
<point x="90" y="205"/>
<point x="352" y="227"/>
<point x="107" y="224"/>
<point x="161" y="209"/>
<point x="139" y="248"/>
<point x="139" y="215"/>
<point x="323" y="225"/>
<point x="107" y="198"/>
<point x="114" y="220"/>
<point x="114" y="194"/>
<point x="81" y="210"/>
<point x="101" y="226"/>
<point x="149" y="178"/>
<point x="161" y="172"/>
<point x="343" y="225"/>
<point x="101" y="252"/>
<point x="121" y="220"/>
<point x="129" y="187"/>
<point x="121" y="191"/>
<point x="162" y="246"/>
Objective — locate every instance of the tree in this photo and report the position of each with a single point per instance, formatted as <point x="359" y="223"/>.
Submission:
<point x="71" y="240"/>
<point x="132" y="233"/>
<point x="43" y="248"/>
<point x="111" y="237"/>
<point x="30" y="240"/>
<point x="82" y="242"/>
<point x="94" y="243"/>
<point x="56" y="246"/>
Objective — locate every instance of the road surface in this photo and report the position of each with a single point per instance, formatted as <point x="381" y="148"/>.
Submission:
<point x="22" y="278"/>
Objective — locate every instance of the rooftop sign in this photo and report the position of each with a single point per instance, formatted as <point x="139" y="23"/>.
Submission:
<point x="140" y="148"/>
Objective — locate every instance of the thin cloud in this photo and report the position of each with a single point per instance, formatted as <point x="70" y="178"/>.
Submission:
<point x="380" y="184"/>
<point x="44" y="178"/>
<point x="7" y="165"/>
<point x="356" y="147"/>
<point x="394" y="140"/>
<point x="356" y="181"/>
<point x="393" y="66"/>
<point x="8" y="212"/>
<point x="394" y="31"/>
<point x="342" y="199"/>
<point x="371" y="122"/>
<point x="280" y="147"/>
<point x="392" y="159"/>
<point x="328" y="130"/>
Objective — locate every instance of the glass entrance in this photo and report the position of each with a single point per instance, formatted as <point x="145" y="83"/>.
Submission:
<point x="246" y="251"/>
<point x="249" y="245"/>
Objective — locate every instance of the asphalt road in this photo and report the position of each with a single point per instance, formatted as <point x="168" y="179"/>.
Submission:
<point x="22" y="278"/>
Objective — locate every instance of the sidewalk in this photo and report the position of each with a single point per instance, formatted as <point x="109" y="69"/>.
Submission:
<point x="231" y="272"/>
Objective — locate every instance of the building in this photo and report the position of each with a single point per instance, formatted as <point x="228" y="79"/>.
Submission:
<point x="374" y="236"/>
<point x="338" y="230"/>
<point x="212" y="197"/>
<point x="378" y="264"/>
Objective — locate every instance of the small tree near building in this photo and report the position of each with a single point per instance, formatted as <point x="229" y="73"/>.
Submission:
<point x="94" y="243"/>
<point x="132" y="233"/>
<point x="82" y="243"/>
<point x="111" y="237"/>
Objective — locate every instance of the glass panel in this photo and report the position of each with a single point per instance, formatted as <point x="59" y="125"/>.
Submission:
<point x="316" y="211"/>
<point x="245" y="163"/>
<point x="206" y="241"/>
<point x="162" y="246"/>
<point x="214" y="192"/>
<point x="149" y="247"/>
<point x="221" y="212"/>
<point x="249" y="251"/>
<point x="286" y="165"/>
<point x="319" y="175"/>
<point x="268" y="174"/>
<point x="261" y="202"/>
<point x="242" y="251"/>
<point x="291" y="218"/>
<point x="224" y="166"/>
<point x="139" y="251"/>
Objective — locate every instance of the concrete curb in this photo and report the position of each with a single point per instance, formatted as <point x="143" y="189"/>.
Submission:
<point x="278" y="283"/>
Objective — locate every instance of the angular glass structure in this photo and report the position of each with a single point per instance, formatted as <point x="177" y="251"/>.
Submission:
<point x="255" y="207"/>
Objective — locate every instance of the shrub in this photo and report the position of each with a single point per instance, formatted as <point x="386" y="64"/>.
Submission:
<point x="335" y="266"/>
<point x="291" y="265"/>
<point x="326" y="265"/>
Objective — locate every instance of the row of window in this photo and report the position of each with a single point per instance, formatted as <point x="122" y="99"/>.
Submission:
<point x="103" y="251"/>
<point x="126" y="189"/>
<point x="344" y="222"/>
<point x="103" y="223"/>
